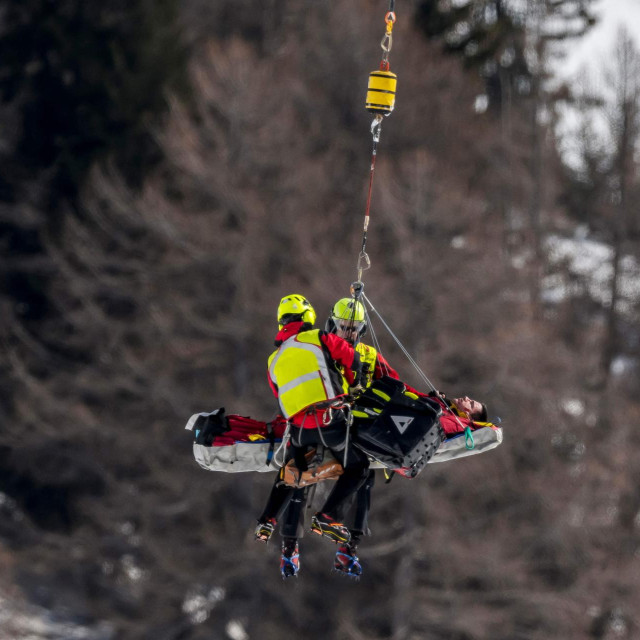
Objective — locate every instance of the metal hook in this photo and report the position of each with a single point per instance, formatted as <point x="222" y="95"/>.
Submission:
<point x="363" y="261"/>
<point x="386" y="42"/>
<point x="376" y="128"/>
<point x="356" y="289"/>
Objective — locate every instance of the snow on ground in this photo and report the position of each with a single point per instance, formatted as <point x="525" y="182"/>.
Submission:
<point x="22" y="621"/>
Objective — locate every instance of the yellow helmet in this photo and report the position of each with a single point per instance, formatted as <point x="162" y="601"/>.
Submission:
<point x="294" y="308"/>
<point x="347" y="313"/>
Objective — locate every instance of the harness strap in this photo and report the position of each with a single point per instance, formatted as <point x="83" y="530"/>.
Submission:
<point x="334" y="403"/>
<point x="272" y="442"/>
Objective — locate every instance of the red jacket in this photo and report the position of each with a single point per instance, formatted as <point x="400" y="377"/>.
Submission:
<point x="337" y="349"/>
<point x="383" y="368"/>
<point x="451" y="421"/>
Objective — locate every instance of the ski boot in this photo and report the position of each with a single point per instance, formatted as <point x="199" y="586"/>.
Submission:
<point x="326" y="526"/>
<point x="347" y="562"/>
<point x="265" y="530"/>
<point x="290" y="559"/>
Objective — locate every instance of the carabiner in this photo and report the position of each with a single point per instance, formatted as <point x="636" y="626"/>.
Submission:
<point x="386" y="42"/>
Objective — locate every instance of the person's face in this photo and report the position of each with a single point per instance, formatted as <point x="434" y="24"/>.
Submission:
<point x="471" y="407"/>
<point x="346" y="330"/>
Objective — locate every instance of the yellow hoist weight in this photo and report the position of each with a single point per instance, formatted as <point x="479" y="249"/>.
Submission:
<point x="381" y="91"/>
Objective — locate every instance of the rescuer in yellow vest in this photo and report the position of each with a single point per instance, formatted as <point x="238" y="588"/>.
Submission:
<point x="310" y="371"/>
<point x="310" y="368"/>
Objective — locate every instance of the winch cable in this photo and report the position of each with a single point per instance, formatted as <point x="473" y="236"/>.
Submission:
<point x="380" y="101"/>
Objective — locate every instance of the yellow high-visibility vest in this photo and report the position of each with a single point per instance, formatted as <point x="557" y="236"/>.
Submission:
<point x="301" y="372"/>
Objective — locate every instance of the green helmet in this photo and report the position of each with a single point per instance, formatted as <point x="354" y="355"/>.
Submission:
<point x="349" y="315"/>
<point x="294" y="308"/>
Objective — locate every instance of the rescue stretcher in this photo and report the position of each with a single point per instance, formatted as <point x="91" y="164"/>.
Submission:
<point x="250" y="445"/>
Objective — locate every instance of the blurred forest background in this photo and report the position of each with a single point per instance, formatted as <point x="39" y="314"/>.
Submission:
<point x="169" y="170"/>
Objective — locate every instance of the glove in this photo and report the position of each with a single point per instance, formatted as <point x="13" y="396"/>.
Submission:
<point x="356" y="390"/>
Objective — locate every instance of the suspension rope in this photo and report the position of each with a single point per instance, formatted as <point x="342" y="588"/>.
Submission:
<point x="415" y="365"/>
<point x="375" y="341"/>
<point x="380" y="101"/>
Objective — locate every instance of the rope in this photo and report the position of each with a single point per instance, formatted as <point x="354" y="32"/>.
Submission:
<point x="357" y="288"/>
<point x="376" y="129"/>
<point x="416" y="366"/>
<point x="363" y="259"/>
<point x="374" y="339"/>
<point x="286" y="436"/>
<point x="468" y="436"/>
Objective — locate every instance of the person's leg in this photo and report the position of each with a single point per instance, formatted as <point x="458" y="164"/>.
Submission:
<point x="290" y="524"/>
<point x="278" y="498"/>
<point x="327" y="522"/>
<point x="360" y="525"/>
<point x="292" y="518"/>
<point x="290" y="529"/>
<point x="348" y="483"/>
<point x="355" y="474"/>
<point x="290" y="558"/>
<point x="333" y="437"/>
<point x="346" y="559"/>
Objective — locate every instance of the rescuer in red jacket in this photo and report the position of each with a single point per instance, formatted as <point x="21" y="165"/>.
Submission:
<point x="310" y="372"/>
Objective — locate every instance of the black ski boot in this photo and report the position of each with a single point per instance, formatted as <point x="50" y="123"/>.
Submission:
<point x="265" y="530"/>
<point x="290" y="559"/>
<point x="346" y="561"/>
<point x="326" y="526"/>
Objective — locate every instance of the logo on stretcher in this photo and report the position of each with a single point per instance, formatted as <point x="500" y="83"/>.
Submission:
<point x="402" y="422"/>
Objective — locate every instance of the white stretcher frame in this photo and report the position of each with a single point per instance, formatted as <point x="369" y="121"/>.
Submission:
<point x="252" y="456"/>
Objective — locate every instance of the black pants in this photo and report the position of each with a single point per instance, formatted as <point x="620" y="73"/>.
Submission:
<point x="359" y="525"/>
<point x="355" y="474"/>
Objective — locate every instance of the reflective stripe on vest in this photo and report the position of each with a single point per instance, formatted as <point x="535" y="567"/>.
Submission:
<point x="300" y="371"/>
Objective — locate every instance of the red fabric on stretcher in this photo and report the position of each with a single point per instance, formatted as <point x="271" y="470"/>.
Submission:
<point x="241" y="427"/>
